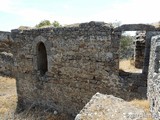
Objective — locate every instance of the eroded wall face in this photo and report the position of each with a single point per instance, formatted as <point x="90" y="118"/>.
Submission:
<point x="81" y="61"/>
<point x="139" y="50"/>
<point x="149" y="35"/>
<point x="6" y="57"/>
<point x="154" y="78"/>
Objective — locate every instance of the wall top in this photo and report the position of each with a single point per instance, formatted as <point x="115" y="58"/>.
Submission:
<point x="86" y="26"/>
<point x="4" y="36"/>
<point x="135" y="27"/>
<point x="93" y="25"/>
<point x="4" y="32"/>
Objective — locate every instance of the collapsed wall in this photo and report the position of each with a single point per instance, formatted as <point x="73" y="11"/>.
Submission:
<point x="154" y="78"/>
<point x="6" y="57"/>
<point x="62" y="68"/>
<point x="109" y="107"/>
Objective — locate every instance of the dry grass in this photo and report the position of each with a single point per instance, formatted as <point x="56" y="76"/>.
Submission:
<point x="141" y="103"/>
<point x="8" y="100"/>
<point x="144" y="104"/>
<point x="105" y="108"/>
<point x="8" y="97"/>
<point x="39" y="114"/>
<point x="128" y="66"/>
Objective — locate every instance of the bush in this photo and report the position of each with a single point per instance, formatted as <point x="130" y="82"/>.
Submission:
<point x="46" y="23"/>
<point x="126" y="47"/>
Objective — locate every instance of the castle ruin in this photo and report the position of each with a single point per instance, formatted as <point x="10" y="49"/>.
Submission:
<point x="62" y="68"/>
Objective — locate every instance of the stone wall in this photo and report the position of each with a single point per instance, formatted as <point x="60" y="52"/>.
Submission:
<point x="5" y="41"/>
<point x="154" y="78"/>
<point x="6" y="57"/>
<point x="139" y="49"/>
<point x="61" y="68"/>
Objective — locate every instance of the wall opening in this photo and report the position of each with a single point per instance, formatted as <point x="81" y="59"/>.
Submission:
<point x="42" y="63"/>
<point x="131" y="52"/>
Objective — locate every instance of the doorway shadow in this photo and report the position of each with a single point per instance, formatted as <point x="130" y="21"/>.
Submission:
<point x="134" y="85"/>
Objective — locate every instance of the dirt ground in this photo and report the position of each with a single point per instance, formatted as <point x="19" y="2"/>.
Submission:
<point x="8" y="96"/>
<point x="128" y="66"/>
<point x="8" y="100"/>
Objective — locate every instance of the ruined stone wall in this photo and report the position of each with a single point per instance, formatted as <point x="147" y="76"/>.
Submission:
<point x="6" y="57"/>
<point x="150" y="31"/>
<point x="149" y="35"/>
<point x="5" y="41"/>
<point x="154" y="77"/>
<point x="139" y="49"/>
<point x="81" y="60"/>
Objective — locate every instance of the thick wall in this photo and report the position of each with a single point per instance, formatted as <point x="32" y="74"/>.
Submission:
<point x="154" y="77"/>
<point x="149" y="35"/>
<point x="139" y="50"/>
<point x="81" y="60"/>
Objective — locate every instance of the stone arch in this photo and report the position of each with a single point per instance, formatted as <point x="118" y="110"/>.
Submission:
<point x="39" y="41"/>
<point x="36" y="41"/>
<point x="42" y="62"/>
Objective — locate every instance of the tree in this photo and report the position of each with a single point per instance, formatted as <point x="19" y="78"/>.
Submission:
<point x="43" y="23"/>
<point x="56" y="24"/>
<point x="126" y="46"/>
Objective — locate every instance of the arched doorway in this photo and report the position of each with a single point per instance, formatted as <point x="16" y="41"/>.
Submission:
<point x="42" y="63"/>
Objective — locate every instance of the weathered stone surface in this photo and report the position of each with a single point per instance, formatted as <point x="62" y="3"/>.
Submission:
<point x="61" y="68"/>
<point x="154" y="78"/>
<point x="140" y="49"/>
<point x="108" y="107"/>
<point x="135" y="27"/>
<point x="6" y="63"/>
<point x="6" y="57"/>
<point x="142" y="91"/>
<point x="81" y="60"/>
<point x="149" y="35"/>
<point x="5" y="41"/>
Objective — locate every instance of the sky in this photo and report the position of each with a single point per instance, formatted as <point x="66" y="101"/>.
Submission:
<point x="15" y="13"/>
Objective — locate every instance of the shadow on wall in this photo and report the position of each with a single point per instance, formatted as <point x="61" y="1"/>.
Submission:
<point x="42" y="62"/>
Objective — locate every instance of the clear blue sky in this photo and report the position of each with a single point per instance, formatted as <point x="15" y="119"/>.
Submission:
<point x="15" y="13"/>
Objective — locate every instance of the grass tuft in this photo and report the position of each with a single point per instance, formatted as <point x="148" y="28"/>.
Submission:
<point x="144" y="104"/>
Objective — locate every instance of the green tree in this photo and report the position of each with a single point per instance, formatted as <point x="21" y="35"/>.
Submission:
<point x="48" y="23"/>
<point x="43" y="23"/>
<point x="56" y="24"/>
<point x="126" y="46"/>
